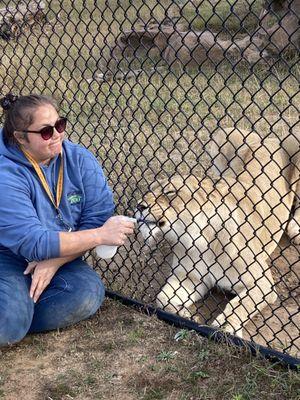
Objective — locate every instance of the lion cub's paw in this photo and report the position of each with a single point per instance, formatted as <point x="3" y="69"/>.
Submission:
<point x="198" y="319"/>
<point x="169" y="308"/>
<point x="185" y="313"/>
<point x="220" y="323"/>
<point x="293" y="231"/>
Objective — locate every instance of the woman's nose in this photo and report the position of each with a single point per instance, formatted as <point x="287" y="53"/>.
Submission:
<point x="56" y="134"/>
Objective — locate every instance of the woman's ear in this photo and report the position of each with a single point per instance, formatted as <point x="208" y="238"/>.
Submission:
<point x="20" y="137"/>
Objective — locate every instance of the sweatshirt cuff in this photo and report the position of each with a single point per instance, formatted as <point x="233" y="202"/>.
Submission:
<point x="54" y="245"/>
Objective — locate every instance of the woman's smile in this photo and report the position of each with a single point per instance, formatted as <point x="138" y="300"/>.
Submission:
<point x="55" y="143"/>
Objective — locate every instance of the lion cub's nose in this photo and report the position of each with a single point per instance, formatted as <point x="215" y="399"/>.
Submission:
<point x="141" y="207"/>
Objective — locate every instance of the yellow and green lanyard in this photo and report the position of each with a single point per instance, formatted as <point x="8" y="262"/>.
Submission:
<point x="59" y="185"/>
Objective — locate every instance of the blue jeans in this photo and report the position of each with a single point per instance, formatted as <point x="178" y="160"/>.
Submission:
<point x="74" y="293"/>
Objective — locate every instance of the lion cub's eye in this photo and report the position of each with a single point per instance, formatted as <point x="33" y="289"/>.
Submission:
<point x="170" y="192"/>
<point x="161" y="223"/>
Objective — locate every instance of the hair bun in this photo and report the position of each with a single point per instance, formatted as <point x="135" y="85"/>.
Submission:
<point x="8" y="100"/>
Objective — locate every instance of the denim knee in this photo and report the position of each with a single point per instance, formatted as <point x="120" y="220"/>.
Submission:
<point x="75" y="293"/>
<point x="15" y="321"/>
<point x="97" y="293"/>
<point x="92" y="296"/>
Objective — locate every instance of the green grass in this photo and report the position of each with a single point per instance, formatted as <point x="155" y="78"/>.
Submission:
<point x="233" y="16"/>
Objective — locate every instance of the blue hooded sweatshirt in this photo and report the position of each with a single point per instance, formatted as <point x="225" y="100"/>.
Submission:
<point x="29" y="222"/>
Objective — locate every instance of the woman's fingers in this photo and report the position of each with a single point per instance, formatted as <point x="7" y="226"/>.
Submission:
<point x="34" y="284"/>
<point x="128" y="231"/>
<point x="30" y="267"/>
<point x="38" y="285"/>
<point x="39" y="290"/>
<point x="116" y="229"/>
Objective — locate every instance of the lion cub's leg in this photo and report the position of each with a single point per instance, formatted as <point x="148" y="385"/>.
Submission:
<point x="293" y="227"/>
<point x="180" y="294"/>
<point x="291" y="144"/>
<point x="248" y="302"/>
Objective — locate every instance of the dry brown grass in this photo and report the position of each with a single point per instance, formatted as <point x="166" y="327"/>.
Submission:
<point x="123" y="354"/>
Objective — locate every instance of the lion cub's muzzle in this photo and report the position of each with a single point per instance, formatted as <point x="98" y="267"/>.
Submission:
<point x="148" y="224"/>
<point x="144" y="216"/>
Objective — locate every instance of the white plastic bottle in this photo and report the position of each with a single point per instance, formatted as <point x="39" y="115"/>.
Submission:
<point x="106" y="251"/>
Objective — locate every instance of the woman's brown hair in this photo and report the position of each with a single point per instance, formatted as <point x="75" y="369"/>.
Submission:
<point x="18" y="112"/>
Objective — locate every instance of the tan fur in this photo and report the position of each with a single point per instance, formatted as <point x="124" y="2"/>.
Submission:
<point x="222" y="232"/>
<point x="227" y="160"/>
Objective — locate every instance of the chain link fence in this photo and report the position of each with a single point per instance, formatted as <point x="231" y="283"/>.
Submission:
<point x="192" y="109"/>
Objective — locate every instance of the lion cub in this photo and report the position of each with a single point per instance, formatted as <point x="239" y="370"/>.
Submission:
<point x="223" y="231"/>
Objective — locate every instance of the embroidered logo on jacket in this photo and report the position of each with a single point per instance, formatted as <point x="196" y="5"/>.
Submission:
<point x="74" y="198"/>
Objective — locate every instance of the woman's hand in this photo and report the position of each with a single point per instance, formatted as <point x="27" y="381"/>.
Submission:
<point x="115" y="230"/>
<point x="42" y="273"/>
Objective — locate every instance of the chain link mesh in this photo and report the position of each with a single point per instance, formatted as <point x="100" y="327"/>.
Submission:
<point x="151" y="88"/>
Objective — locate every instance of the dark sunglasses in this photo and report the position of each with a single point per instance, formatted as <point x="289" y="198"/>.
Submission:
<point x="48" y="131"/>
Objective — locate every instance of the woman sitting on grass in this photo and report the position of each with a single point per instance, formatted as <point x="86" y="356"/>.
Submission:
<point x="55" y="205"/>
